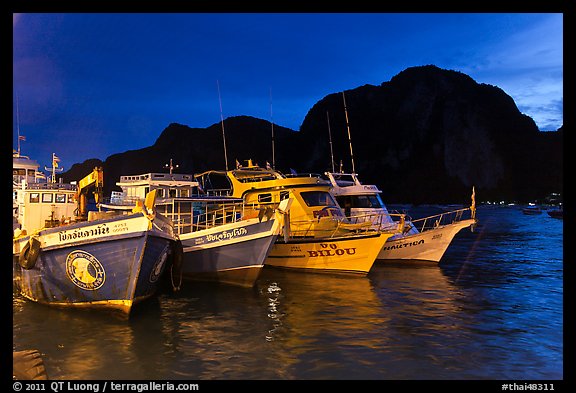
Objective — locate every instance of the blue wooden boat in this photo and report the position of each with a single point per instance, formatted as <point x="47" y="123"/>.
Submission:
<point x="104" y="260"/>
<point x="107" y="263"/>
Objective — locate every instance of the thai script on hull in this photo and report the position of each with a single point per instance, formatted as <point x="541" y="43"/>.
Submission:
<point x="81" y="233"/>
<point x="226" y="235"/>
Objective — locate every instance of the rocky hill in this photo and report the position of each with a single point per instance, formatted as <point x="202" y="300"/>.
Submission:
<point x="426" y="136"/>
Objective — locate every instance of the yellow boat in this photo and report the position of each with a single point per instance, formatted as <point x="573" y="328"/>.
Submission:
<point x="318" y="236"/>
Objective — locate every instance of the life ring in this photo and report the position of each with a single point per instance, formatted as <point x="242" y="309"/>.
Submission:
<point x="29" y="254"/>
<point x="176" y="266"/>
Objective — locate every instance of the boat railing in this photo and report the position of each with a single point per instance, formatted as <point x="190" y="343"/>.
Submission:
<point x="122" y="200"/>
<point x="438" y="220"/>
<point x="220" y="192"/>
<point x="189" y="216"/>
<point x="50" y="186"/>
<point x="332" y="226"/>
<point x="379" y="220"/>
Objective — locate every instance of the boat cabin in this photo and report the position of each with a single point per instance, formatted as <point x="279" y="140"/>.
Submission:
<point x="37" y="203"/>
<point x="314" y="211"/>
<point x="168" y="185"/>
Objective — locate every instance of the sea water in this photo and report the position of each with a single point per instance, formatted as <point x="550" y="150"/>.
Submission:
<point x="491" y="310"/>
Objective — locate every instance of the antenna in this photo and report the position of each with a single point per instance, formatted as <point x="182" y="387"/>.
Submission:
<point x="18" y="126"/>
<point x="349" y="138"/>
<point x="330" y="139"/>
<point x="272" y="125"/>
<point x="222" y="121"/>
<point x="171" y="166"/>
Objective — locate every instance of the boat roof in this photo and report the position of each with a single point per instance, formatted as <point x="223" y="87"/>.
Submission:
<point x="348" y="184"/>
<point x="167" y="179"/>
<point x="23" y="162"/>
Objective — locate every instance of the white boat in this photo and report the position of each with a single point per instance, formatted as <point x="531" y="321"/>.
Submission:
<point x="221" y="239"/>
<point x="424" y="239"/>
<point x="65" y="256"/>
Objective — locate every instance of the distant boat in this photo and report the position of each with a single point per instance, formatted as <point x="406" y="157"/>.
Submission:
<point x="221" y="239"/>
<point x="556" y="213"/>
<point x="89" y="259"/>
<point x="531" y="210"/>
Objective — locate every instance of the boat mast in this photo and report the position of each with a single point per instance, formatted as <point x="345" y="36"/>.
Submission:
<point x="171" y="166"/>
<point x="222" y="121"/>
<point x="330" y="140"/>
<point x="20" y="138"/>
<point x="54" y="169"/>
<point x="272" y="125"/>
<point x="349" y="137"/>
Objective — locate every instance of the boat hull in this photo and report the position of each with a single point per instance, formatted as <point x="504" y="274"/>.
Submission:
<point x="427" y="246"/>
<point x="108" y="270"/>
<point x="532" y="211"/>
<point x="231" y="253"/>
<point x="351" y="254"/>
<point x="556" y="213"/>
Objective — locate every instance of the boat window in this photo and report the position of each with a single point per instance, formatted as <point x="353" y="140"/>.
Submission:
<point x="215" y="183"/>
<point x="264" y="198"/>
<point x="60" y="198"/>
<point x="160" y="192"/>
<point x="18" y="172"/>
<point x="172" y="193"/>
<point x="184" y="193"/>
<point x="318" y="198"/>
<point x="360" y="201"/>
<point x="34" y="197"/>
<point x="70" y="198"/>
<point x="46" y="197"/>
<point x="31" y="172"/>
<point x="284" y="195"/>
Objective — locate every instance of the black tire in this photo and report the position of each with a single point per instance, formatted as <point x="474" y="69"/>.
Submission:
<point x="29" y="254"/>
<point x="176" y="266"/>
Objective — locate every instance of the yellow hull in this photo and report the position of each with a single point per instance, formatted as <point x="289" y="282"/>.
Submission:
<point x="350" y="254"/>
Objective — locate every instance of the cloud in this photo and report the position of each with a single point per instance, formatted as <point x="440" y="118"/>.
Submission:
<point x="527" y="63"/>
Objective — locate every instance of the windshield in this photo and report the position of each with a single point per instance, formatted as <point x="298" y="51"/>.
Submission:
<point x="318" y="198"/>
<point x="360" y="201"/>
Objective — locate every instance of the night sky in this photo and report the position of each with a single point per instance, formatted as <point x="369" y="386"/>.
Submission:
<point x="92" y="85"/>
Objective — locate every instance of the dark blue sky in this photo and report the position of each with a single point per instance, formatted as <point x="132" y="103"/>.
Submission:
<point x="92" y="85"/>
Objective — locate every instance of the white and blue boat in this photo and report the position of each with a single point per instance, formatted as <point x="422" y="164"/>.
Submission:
<point x="220" y="239"/>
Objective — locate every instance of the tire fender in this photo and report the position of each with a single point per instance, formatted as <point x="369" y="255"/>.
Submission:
<point x="29" y="254"/>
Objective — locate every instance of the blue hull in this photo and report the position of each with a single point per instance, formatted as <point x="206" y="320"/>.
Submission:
<point x="239" y="262"/>
<point x="115" y="272"/>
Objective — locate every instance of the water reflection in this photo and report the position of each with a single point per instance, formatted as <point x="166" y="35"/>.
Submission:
<point x="322" y="323"/>
<point x="75" y="344"/>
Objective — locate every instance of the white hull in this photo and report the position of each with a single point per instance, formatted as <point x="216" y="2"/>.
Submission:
<point x="429" y="245"/>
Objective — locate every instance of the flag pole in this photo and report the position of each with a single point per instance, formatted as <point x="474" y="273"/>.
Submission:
<point x="222" y="121"/>
<point x="349" y="137"/>
<point x="18" y="124"/>
<point x="272" y="125"/>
